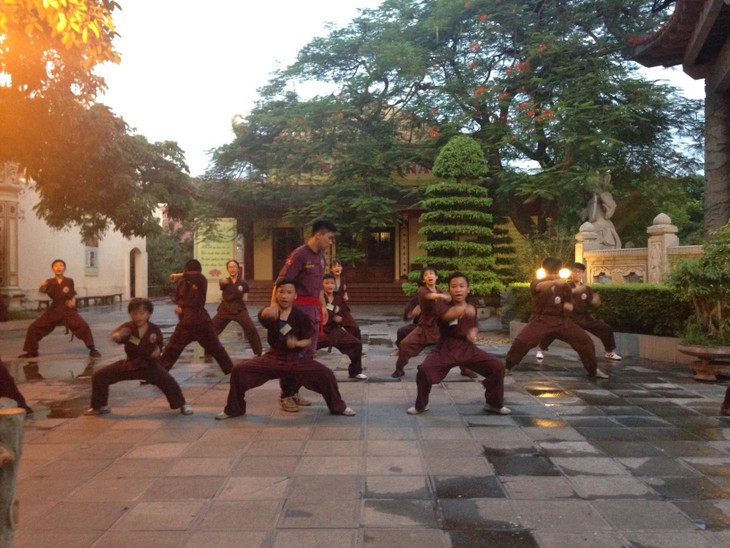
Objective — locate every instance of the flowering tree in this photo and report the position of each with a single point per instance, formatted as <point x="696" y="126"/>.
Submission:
<point x="540" y="85"/>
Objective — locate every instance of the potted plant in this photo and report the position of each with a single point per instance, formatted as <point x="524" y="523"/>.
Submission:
<point x="705" y="282"/>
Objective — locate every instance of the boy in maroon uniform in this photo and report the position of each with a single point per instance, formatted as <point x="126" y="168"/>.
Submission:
<point x="348" y="322"/>
<point x="195" y="323"/>
<point x="551" y="300"/>
<point x="458" y="325"/>
<point x="61" y="311"/>
<point x="583" y="299"/>
<point x="289" y="333"/>
<point x="335" y="334"/>
<point x="142" y="342"/>
<point x="234" y="292"/>
<point x="427" y="331"/>
<point x="306" y="265"/>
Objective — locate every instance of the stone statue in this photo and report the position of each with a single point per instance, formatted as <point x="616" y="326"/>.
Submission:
<point x="599" y="211"/>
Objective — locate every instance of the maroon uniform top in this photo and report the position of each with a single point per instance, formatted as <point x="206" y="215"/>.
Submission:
<point x="233" y="291"/>
<point x="581" y="301"/>
<point x="431" y="309"/>
<point x="190" y="296"/>
<point x="550" y="302"/>
<point x="335" y="306"/>
<point x="341" y="289"/>
<point x="307" y="268"/>
<point x="139" y="350"/>
<point x="59" y="292"/>
<point x="298" y="324"/>
<point x="457" y="329"/>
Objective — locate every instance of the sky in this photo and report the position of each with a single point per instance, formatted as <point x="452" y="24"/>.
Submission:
<point x="189" y="67"/>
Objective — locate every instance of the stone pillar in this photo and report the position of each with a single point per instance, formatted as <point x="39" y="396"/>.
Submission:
<point x="585" y="240"/>
<point x="717" y="159"/>
<point x="662" y="235"/>
<point x="10" y="186"/>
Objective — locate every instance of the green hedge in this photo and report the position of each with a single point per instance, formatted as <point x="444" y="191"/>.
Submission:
<point x="646" y="309"/>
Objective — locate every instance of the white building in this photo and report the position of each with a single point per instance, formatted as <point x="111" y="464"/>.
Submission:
<point x="111" y="267"/>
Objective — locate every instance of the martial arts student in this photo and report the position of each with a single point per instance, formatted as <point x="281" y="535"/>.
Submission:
<point x="348" y="322"/>
<point x="456" y="347"/>
<point x="289" y="332"/>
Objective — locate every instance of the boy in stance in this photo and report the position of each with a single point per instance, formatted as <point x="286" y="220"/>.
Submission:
<point x="552" y="299"/>
<point x="427" y="331"/>
<point x="583" y="300"/>
<point x="458" y="324"/>
<point x="234" y="292"/>
<point x="61" y="311"/>
<point x="142" y="342"/>
<point x="289" y="333"/>
<point x="335" y="333"/>
<point x="195" y="323"/>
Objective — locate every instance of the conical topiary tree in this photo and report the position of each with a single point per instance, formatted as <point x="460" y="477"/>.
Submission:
<point x="457" y="220"/>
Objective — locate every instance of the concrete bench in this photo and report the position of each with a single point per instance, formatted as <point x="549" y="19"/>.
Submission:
<point x="85" y="301"/>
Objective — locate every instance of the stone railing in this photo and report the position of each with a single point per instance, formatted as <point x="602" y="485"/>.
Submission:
<point x="643" y="265"/>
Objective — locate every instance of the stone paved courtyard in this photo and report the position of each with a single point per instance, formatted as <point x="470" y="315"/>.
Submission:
<point x="642" y="459"/>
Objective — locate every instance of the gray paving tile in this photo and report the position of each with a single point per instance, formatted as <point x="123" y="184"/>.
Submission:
<point x="653" y="515"/>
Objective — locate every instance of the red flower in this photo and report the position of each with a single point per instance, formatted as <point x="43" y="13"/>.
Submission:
<point x="483" y="18"/>
<point x="479" y="90"/>
<point x="434" y="132"/>
<point x="300" y="120"/>
<point x="474" y="47"/>
<point x="542" y="47"/>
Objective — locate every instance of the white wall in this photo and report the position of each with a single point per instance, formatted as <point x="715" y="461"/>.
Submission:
<point x="39" y="245"/>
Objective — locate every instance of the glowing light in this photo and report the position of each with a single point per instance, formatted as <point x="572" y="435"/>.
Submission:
<point x="564" y="273"/>
<point x="540" y="274"/>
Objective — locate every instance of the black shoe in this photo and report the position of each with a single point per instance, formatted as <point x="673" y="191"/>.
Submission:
<point x="397" y="373"/>
<point x="94" y="353"/>
<point x="29" y="355"/>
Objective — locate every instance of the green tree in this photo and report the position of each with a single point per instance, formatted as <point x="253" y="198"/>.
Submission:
<point x="457" y="218"/>
<point x="542" y="87"/>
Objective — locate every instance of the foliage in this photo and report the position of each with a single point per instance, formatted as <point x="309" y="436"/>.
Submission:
<point x="461" y="159"/>
<point x="167" y="251"/>
<point x="541" y="86"/>
<point x="628" y="308"/>
<point x="705" y="282"/>
<point x="87" y="167"/>
<point x="456" y="220"/>
<point x="529" y="256"/>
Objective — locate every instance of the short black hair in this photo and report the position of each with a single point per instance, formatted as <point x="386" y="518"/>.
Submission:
<point x="286" y="281"/>
<point x="139" y="302"/>
<point x="457" y="274"/>
<point x="335" y="261"/>
<point x="233" y="261"/>
<point x="579" y="266"/>
<point x="428" y="267"/>
<point x="323" y="225"/>
<point x="328" y="276"/>
<point x="58" y="261"/>
<point x="193" y="265"/>
<point x="552" y="264"/>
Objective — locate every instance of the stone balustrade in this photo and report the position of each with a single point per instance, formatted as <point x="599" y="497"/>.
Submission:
<point x="637" y="264"/>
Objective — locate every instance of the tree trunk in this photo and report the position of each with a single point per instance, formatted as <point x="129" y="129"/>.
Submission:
<point x="11" y="444"/>
<point x="717" y="159"/>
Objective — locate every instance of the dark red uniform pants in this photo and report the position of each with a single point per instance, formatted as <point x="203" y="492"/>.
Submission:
<point x="562" y="328"/>
<point x="453" y="353"/>
<point x="309" y="373"/>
